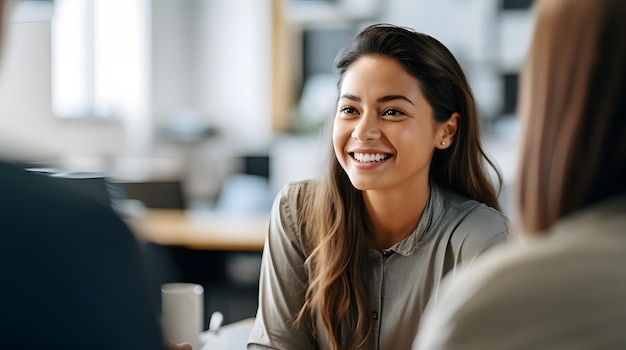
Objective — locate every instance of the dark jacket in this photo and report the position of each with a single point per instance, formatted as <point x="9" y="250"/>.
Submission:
<point x="71" y="272"/>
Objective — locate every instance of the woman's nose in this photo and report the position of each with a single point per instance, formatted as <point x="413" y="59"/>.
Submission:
<point x="366" y="129"/>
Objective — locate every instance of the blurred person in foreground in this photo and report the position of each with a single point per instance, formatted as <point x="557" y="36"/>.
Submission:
<point x="352" y="257"/>
<point x="565" y="287"/>
<point x="72" y="272"/>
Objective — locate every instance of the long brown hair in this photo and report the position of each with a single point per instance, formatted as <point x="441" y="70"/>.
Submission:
<point x="574" y="110"/>
<point x="334" y="215"/>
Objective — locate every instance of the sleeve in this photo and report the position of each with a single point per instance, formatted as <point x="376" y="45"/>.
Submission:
<point x="283" y="280"/>
<point x="479" y="231"/>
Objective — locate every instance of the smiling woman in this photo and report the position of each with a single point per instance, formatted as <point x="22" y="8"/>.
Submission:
<point x="352" y="258"/>
<point x="384" y="134"/>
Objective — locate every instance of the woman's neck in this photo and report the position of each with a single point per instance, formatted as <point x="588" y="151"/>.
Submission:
<point x="394" y="214"/>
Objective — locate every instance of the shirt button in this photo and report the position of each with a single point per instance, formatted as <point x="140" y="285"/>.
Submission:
<point x="375" y="315"/>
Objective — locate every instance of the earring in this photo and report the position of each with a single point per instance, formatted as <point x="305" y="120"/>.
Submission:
<point x="443" y="143"/>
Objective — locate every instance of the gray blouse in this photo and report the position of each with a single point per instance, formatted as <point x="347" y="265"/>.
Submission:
<point x="453" y="230"/>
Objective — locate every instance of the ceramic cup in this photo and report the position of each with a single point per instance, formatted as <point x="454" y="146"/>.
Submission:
<point x="182" y="313"/>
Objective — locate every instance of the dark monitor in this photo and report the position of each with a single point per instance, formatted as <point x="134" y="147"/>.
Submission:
<point x="510" y="92"/>
<point x="153" y="194"/>
<point x="516" y="4"/>
<point x="320" y="47"/>
<point x="257" y="165"/>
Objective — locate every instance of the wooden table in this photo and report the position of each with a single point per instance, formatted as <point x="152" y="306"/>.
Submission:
<point x="202" y="229"/>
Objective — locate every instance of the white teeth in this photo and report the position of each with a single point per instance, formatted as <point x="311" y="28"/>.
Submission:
<point x="370" y="157"/>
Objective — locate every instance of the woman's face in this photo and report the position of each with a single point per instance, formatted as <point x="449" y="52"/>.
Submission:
<point x="384" y="133"/>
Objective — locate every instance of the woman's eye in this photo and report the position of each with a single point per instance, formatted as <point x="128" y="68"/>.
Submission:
<point x="348" y="110"/>
<point x="392" y="112"/>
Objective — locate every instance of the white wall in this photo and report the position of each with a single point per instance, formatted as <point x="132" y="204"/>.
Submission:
<point x="211" y="66"/>
<point x="234" y="69"/>
<point x="213" y="58"/>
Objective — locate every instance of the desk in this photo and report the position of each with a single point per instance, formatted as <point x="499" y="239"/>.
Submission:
<point x="202" y="229"/>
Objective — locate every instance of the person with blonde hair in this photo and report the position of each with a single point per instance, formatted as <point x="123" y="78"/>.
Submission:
<point x="565" y="286"/>
<point x="352" y="257"/>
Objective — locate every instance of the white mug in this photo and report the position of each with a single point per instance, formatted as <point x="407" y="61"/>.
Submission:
<point x="182" y="313"/>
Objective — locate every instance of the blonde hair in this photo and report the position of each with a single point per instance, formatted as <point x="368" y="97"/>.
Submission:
<point x="572" y="105"/>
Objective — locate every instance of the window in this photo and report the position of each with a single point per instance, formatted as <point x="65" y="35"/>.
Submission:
<point x="100" y="58"/>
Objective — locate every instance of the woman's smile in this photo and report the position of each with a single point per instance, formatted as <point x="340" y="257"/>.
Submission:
<point x="369" y="161"/>
<point x="370" y="157"/>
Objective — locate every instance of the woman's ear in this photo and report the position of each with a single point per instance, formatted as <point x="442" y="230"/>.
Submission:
<point x="447" y="130"/>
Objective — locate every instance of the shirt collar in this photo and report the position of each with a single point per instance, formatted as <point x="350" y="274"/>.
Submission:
<point x="433" y="209"/>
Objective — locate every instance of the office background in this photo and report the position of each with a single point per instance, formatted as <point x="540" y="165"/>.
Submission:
<point x="215" y="95"/>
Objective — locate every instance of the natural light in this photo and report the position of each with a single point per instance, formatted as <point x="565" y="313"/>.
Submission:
<point x="100" y="58"/>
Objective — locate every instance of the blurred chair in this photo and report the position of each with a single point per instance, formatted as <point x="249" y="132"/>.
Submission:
<point x="153" y="194"/>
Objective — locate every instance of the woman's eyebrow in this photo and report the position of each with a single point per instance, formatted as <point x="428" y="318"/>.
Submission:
<point x="350" y="97"/>
<point x="394" y="97"/>
<point x="380" y="99"/>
